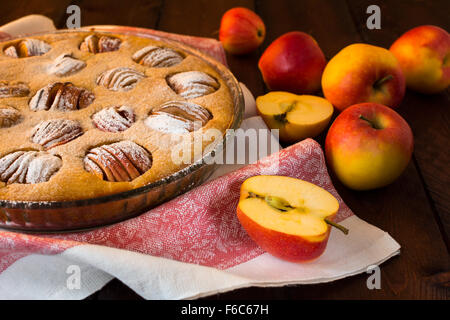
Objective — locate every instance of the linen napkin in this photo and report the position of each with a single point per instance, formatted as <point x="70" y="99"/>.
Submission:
<point x="191" y="246"/>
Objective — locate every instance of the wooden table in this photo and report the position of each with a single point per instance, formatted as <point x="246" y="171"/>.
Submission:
<point x="415" y="209"/>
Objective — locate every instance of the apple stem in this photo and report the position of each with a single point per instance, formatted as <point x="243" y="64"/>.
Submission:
<point x="379" y="82"/>
<point x="336" y="225"/>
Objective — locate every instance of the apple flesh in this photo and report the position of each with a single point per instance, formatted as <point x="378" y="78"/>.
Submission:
<point x="363" y="73"/>
<point x="424" y="56"/>
<point x="287" y="217"/>
<point x="368" y="146"/>
<point x="296" y="116"/>
<point x="241" y="31"/>
<point x="294" y="62"/>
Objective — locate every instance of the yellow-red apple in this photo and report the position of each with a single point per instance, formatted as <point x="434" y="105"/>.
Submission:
<point x="363" y="73"/>
<point x="287" y="217"/>
<point x="368" y="146"/>
<point x="424" y="56"/>
<point x="294" y="62"/>
<point x="241" y="31"/>
<point x="297" y="117"/>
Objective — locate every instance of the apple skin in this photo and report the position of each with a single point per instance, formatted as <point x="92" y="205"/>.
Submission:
<point x="241" y="31"/>
<point x="294" y="62"/>
<point x="424" y="56"/>
<point x="364" y="157"/>
<point x="284" y="246"/>
<point x="350" y="77"/>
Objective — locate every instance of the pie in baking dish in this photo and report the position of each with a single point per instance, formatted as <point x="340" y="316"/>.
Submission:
<point x="84" y="114"/>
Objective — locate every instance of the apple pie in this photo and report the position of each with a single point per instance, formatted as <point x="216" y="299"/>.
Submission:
<point x="87" y="114"/>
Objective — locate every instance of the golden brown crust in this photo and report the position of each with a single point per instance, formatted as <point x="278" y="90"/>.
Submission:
<point x="72" y="181"/>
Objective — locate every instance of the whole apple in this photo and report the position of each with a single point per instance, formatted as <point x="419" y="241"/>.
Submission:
<point x="363" y="73"/>
<point x="424" y="56"/>
<point x="294" y="62"/>
<point x="368" y="146"/>
<point x="241" y="31"/>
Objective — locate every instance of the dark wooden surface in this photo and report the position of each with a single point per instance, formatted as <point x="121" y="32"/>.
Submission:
<point x="415" y="209"/>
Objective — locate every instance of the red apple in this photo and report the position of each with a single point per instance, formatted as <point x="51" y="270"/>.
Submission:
<point x="287" y="217"/>
<point x="294" y="62"/>
<point x="363" y="73"/>
<point x="241" y="31"/>
<point x="424" y="56"/>
<point x="368" y="146"/>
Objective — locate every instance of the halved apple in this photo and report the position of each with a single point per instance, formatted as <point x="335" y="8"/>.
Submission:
<point x="296" y="116"/>
<point x="287" y="217"/>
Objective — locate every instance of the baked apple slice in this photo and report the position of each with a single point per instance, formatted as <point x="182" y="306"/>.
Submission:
<point x="60" y="96"/>
<point x="8" y="116"/>
<point x="55" y="132"/>
<point x="120" y="161"/>
<point x="28" y="167"/>
<point x="99" y="44"/>
<point x="27" y="48"/>
<point x="296" y="116"/>
<point x="120" y="79"/>
<point x="114" y="119"/>
<point x="287" y="217"/>
<point x="178" y="117"/>
<point x="13" y="89"/>
<point x="65" y="65"/>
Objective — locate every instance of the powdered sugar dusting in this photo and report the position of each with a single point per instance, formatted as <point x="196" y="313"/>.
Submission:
<point x="188" y="110"/>
<point x="192" y="84"/>
<point x="28" y="167"/>
<point x="65" y="65"/>
<point x="140" y="157"/>
<point x="28" y="48"/>
<point x="60" y="96"/>
<point x="51" y="133"/>
<point x="168" y="123"/>
<point x="120" y="161"/>
<point x="114" y="119"/>
<point x="34" y="47"/>
<point x="13" y="89"/>
<point x="178" y="117"/>
<point x="120" y="79"/>
<point x="157" y="57"/>
<point x="11" y="51"/>
<point x="8" y="117"/>
<point x="107" y="44"/>
<point x="42" y="167"/>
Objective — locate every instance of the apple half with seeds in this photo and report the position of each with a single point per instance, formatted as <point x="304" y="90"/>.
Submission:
<point x="296" y="116"/>
<point x="287" y="217"/>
